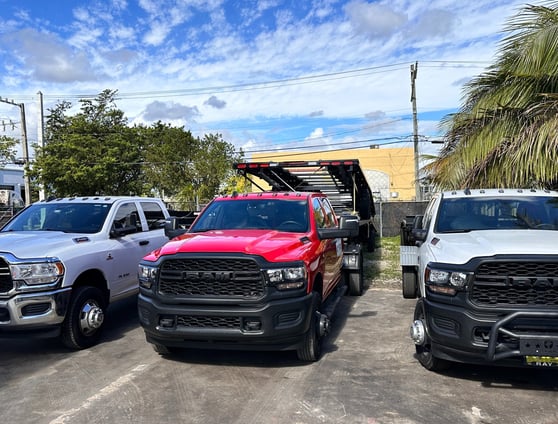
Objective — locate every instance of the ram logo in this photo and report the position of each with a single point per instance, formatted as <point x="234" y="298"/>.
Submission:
<point x="207" y="276"/>
<point x="539" y="283"/>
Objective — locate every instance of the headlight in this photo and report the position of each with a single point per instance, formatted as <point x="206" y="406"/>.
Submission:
<point x="37" y="273"/>
<point x="446" y="282"/>
<point x="287" y="278"/>
<point x="147" y="275"/>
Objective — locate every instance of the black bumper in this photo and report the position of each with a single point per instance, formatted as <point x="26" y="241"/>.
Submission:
<point x="277" y="325"/>
<point x="498" y="337"/>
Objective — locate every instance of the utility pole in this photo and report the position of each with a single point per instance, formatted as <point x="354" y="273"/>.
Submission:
<point x="414" y="70"/>
<point x="27" y="185"/>
<point x="41" y="137"/>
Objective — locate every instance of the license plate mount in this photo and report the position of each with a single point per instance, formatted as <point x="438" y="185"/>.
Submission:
<point x="547" y="346"/>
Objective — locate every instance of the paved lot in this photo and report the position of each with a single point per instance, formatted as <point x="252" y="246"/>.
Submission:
<point x="367" y="375"/>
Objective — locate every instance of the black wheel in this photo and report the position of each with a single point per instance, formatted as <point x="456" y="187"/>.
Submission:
<point x="423" y="352"/>
<point x="311" y="349"/>
<point x="356" y="279"/>
<point x="84" y="319"/>
<point x="409" y="283"/>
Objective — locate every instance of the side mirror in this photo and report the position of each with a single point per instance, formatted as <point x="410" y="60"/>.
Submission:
<point x="350" y="223"/>
<point x="348" y="227"/>
<point x="172" y="228"/>
<point x="419" y="234"/>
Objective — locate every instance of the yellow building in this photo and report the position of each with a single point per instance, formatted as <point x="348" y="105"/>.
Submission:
<point x="390" y="171"/>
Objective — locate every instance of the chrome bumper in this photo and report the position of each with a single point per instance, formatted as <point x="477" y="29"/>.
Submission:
<point x="34" y="309"/>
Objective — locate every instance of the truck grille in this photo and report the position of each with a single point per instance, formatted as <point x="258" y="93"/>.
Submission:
<point x="208" y="321"/>
<point x="6" y="282"/>
<point x="211" y="277"/>
<point x="516" y="284"/>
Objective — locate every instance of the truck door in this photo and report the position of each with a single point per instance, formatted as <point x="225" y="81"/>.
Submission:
<point x="332" y="248"/>
<point x="127" y="249"/>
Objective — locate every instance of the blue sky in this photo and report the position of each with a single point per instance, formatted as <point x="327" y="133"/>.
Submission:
<point x="266" y="74"/>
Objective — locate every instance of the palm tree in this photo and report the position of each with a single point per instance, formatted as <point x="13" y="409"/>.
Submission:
<point x="506" y="132"/>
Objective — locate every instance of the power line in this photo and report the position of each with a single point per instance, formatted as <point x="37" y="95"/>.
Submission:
<point x="308" y="79"/>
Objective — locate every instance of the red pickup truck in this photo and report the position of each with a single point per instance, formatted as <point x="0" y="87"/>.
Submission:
<point x="258" y="271"/>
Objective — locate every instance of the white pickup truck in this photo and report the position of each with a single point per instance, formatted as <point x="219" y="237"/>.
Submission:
<point x="63" y="261"/>
<point x="484" y="267"/>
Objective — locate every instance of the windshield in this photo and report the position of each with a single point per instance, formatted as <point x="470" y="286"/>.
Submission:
<point x="494" y="213"/>
<point x="85" y="218"/>
<point x="268" y="214"/>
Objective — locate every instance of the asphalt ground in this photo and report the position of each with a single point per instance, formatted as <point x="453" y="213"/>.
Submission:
<point x="367" y="374"/>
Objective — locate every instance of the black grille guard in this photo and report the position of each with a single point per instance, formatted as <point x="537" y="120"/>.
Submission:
<point x="498" y="327"/>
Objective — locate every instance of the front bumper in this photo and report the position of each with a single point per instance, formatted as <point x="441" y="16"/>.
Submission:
<point x="33" y="312"/>
<point x="500" y="337"/>
<point x="277" y="325"/>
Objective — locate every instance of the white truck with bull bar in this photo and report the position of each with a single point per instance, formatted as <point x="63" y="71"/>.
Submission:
<point x="484" y="267"/>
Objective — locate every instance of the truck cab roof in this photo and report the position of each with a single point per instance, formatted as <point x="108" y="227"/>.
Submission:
<point x="486" y="192"/>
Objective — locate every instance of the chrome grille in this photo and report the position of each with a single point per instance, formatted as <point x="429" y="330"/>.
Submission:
<point x="211" y="277"/>
<point x="6" y="282"/>
<point x="516" y="284"/>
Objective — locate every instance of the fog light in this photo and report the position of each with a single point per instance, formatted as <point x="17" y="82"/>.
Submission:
<point x="252" y="325"/>
<point x="166" y="322"/>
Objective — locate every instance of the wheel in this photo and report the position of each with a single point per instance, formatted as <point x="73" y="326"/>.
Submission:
<point x="356" y="283"/>
<point x="84" y="319"/>
<point x="423" y="352"/>
<point x="356" y="279"/>
<point x="409" y="283"/>
<point x="311" y="348"/>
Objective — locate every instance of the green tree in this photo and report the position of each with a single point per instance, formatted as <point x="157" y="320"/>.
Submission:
<point x="92" y="152"/>
<point x="213" y="166"/>
<point x="186" y="168"/>
<point x="169" y="156"/>
<point x="506" y="132"/>
<point x="7" y="149"/>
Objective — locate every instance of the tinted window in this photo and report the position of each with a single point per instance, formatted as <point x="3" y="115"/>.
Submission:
<point x="153" y="214"/>
<point x="85" y="218"/>
<point x="127" y="218"/>
<point x="319" y="214"/>
<point x="493" y="213"/>
<point x="274" y="214"/>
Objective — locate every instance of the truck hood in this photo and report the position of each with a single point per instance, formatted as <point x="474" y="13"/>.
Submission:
<point x="460" y="247"/>
<point x="37" y="244"/>
<point x="272" y="245"/>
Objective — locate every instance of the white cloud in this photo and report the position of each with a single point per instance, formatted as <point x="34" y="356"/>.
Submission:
<point x="374" y="20"/>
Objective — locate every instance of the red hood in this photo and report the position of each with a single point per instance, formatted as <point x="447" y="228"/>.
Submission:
<point x="274" y="246"/>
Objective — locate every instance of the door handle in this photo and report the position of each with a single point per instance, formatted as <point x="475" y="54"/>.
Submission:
<point x="144" y="242"/>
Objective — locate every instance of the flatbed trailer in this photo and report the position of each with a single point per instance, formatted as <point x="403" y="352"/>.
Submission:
<point x="343" y="181"/>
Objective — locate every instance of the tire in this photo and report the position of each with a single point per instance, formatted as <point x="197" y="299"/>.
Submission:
<point x="84" y="320"/>
<point x="423" y="352"/>
<point x="311" y="348"/>
<point x="409" y="283"/>
<point x="356" y="280"/>
<point x="356" y="283"/>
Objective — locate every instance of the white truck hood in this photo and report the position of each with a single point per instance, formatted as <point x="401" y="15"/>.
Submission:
<point x="39" y="244"/>
<point x="458" y="248"/>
